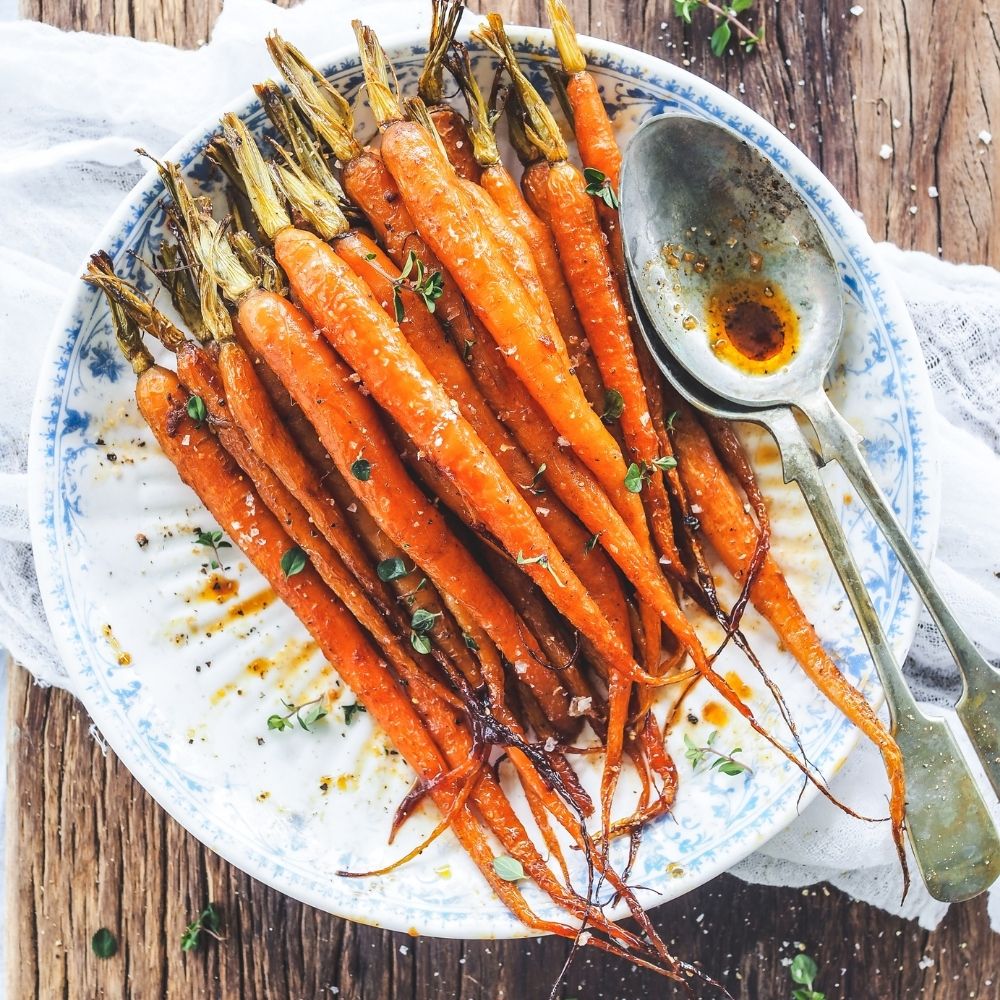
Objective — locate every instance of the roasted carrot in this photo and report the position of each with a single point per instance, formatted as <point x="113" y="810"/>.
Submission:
<point x="502" y="188"/>
<point x="421" y="329"/>
<point x="445" y="18"/>
<point x="731" y="531"/>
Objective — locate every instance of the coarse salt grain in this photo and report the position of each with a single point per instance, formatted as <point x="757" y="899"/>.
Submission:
<point x="857" y="10"/>
<point x="886" y="151"/>
<point x="985" y="137"/>
<point x="580" y="705"/>
<point x="913" y="210"/>
<point x="932" y="192"/>
<point x="550" y="744"/>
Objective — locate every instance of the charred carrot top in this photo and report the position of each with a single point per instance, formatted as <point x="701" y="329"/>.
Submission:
<point x="445" y="19"/>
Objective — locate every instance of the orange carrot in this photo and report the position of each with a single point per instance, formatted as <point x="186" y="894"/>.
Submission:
<point x="449" y="123"/>
<point x="732" y="533"/>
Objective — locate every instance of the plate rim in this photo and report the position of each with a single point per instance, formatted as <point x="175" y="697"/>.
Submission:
<point x="43" y="532"/>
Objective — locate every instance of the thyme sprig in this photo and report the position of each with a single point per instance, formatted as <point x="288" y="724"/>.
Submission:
<point x="726" y="763"/>
<point x="727" y="21"/>
<point x="428" y="286"/>
<point x="208" y="921"/>
<point x="214" y="541"/>
<point x="307" y="715"/>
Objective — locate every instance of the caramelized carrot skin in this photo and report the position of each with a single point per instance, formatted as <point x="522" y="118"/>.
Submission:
<point x="425" y="335"/>
<point x="732" y="533"/>
<point x="455" y="136"/>
<point x="595" y="134"/>
<point x="351" y="429"/>
<point x="493" y="289"/>
<point x="498" y="183"/>
<point x="399" y="380"/>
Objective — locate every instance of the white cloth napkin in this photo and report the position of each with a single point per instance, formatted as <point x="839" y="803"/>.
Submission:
<point x="77" y="106"/>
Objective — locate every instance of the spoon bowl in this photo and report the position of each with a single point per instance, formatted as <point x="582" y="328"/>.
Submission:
<point x="729" y="262"/>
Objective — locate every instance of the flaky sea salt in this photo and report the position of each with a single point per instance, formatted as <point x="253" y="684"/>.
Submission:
<point x="932" y="192"/>
<point x="857" y="10"/>
<point x="985" y="137"/>
<point x="886" y="151"/>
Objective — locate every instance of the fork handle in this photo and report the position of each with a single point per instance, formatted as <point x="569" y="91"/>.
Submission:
<point x="978" y="709"/>
<point x="953" y="838"/>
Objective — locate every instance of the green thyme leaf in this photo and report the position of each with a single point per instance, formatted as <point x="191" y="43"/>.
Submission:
<point x="196" y="410"/>
<point x="293" y="561"/>
<point x="208" y="921"/>
<point x="397" y="306"/>
<point x="214" y="541"/>
<point x="307" y="715"/>
<point x="470" y="642"/>
<point x="423" y="620"/>
<point x="803" y="970"/>
<point x="421" y="643"/>
<point x="391" y="569"/>
<point x="509" y="869"/>
<point x="408" y="264"/>
<point x="104" y="943"/>
<point x="665" y="463"/>
<point x="361" y="469"/>
<point x="614" y="406"/>
<point x="634" y="478"/>
<point x="369" y="256"/>
<point x="350" y="711"/>
<point x="599" y="185"/>
<point x="278" y="722"/>
<point x="720" y="38"/>
<point x="670" y="420"/>
<point x="312" y="715"/>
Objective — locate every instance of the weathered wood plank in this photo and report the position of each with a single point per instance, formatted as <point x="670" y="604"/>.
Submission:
<point x="88" y="848"/>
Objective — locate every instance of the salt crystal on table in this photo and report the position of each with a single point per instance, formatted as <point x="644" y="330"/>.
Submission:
<point x="896" y="123"/>
<point x="932" y="192"/>
<point x="857" y="10"/>
<point x="886" y="151"/>
<point x="985" y="137"/>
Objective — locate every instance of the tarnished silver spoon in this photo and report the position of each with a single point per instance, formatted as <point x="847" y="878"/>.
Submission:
<point x="718" y="243"/>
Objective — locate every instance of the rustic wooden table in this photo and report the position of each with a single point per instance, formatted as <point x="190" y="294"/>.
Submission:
<point x="88" y="848"/>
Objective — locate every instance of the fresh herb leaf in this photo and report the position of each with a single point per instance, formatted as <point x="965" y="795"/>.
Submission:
<point x="196" y="410"/>
<point x="421" y="643"/>
<point x="423" y="620"/>
<point x="592" y="541"/>
<point x="361" y="469"/>
<point x="208" y="921"/>
<point x="665" y="463"/>
<point x="470" y="642"/>
<point x="293" y="561"/>
<point x="720" y="38"/>
<point x="509" y="869"/>
<point x="408" y="264"/>
<point x="727" y="21"/>
<point x="307" y="715"/>
<point x="724" y="763"/>
<point x="352" y="710"/>
<point x="104" y="943"/>
<point x="369" y="256"/>
<point x="429" y="287"/>
<point x="391" y="569"/>
<point x="803" y="970"/>
<point x="214" y="541"/>
<point x="672" y="416"/>
<point x="634" y="478"/>
<point x="599" y="185"/>
<point x="614" y="406"/>
<point x="397" y="306"/>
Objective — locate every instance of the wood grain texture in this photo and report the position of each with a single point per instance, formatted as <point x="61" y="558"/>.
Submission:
<point x="88" y="848"/>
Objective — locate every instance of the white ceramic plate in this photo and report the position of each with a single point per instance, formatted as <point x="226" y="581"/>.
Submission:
<point x="187" y="711"/>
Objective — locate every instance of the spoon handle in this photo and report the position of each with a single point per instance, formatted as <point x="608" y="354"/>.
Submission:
<point x="953" y="838"/>
<point x="978" y="709"/>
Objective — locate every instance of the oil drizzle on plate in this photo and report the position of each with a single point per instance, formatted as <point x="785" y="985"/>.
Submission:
<point x="752" y="326"/>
